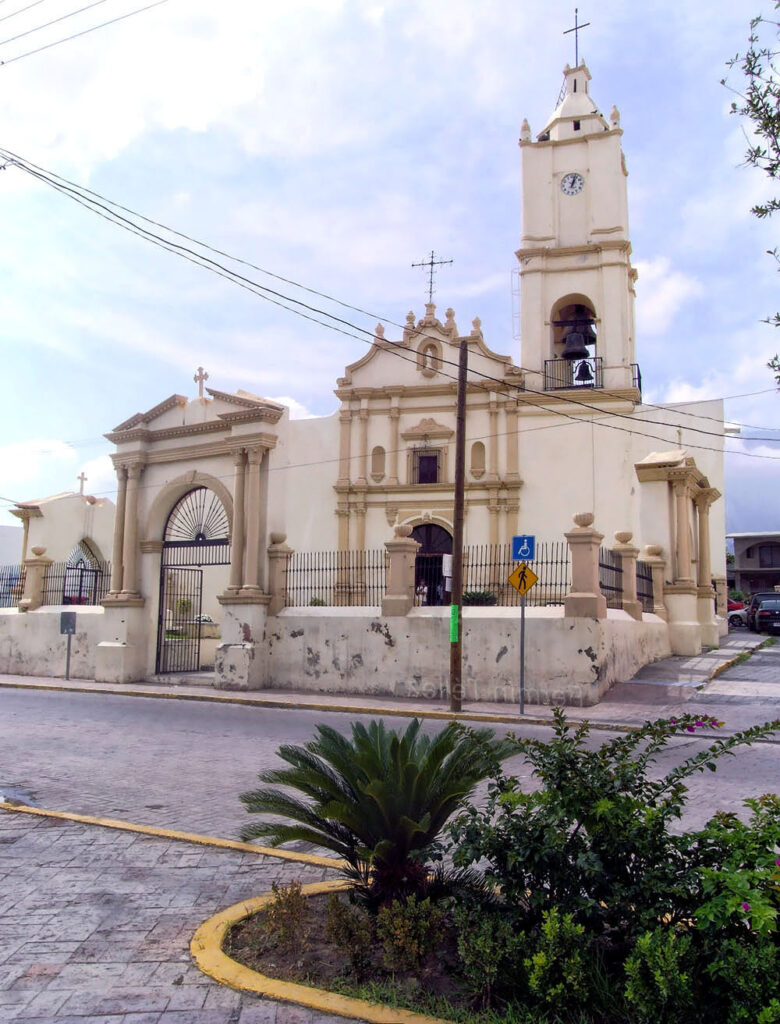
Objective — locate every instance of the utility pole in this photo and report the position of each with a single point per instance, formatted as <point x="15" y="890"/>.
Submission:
<point x="456" y="612"/>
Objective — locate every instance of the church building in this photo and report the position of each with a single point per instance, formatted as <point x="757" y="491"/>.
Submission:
<point x="216" y="493"/>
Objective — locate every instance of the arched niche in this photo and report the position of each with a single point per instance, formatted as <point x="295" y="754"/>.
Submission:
<point x="377" y="463"/>
<point x="429" y="357"/>
<point x="574" y="312"/>
<point x="478" y="460"/>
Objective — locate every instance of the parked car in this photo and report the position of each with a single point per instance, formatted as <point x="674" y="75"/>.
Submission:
<point x="738" y="617"/>
<point x="734" y="606"/>
<point x="755" y="601"/>
<point x="768" y="615"/>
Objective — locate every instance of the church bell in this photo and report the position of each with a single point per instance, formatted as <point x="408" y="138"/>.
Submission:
<point x="579" y="335"/>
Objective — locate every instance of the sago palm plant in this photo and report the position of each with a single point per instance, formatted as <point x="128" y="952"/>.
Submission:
<point x="378" y="800"/>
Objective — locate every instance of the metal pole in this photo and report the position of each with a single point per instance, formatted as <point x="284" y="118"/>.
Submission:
<point x="67" y="660"/>
<point x="456" y="611"/>
<point x="522" y="655"/>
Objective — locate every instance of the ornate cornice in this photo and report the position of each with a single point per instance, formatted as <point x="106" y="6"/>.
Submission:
<point x="146" y="417"/>
<point x="427" y="428"/>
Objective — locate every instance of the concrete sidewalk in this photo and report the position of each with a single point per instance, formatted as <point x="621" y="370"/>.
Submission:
<point x="667" y="687"/>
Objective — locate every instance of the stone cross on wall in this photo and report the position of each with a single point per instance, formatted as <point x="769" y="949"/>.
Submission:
<point x="82" y="478"/>
<point x="200" y="378"/>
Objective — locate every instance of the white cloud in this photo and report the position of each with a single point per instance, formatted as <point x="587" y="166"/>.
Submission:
<point x="24" y="461"/>
<point x="101" y="477"/>
<point x="661" y="293"/>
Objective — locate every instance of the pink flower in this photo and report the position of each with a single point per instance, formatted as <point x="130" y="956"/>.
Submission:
<point x="746" y="907"/>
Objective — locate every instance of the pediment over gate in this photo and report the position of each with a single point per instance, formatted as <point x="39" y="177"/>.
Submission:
<point x="425" y="356"/>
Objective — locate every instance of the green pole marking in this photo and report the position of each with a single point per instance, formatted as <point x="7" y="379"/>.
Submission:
<point x="453" y="623"/>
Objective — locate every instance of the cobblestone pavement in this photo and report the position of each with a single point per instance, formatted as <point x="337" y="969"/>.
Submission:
<point x="95" y="926"/>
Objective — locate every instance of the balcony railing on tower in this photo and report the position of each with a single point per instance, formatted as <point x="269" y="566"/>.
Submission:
<point x="573" y="373"/>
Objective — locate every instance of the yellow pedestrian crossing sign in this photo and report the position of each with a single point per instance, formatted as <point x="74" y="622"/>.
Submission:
<point x="523" y="578"/>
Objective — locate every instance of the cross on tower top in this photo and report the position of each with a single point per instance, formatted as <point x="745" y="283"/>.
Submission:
<point x="200" y="378"/>
<point x="82" y="478"/>
<point x="431" y="263"/>
<point x="576" y="31"/>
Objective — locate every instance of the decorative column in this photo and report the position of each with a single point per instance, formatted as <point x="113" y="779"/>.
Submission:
<point x="399" y="597"/>
<point x="705" y="592"/>
<point x="343" y="516"/>
<point x="117" y="566"/>
<point x="628" y="556"/>
<point x="278" y="562"/>
<point x="252" y="567"/>
<point x="493" y="439"/>
<point x="395" y="416"/>
<point x="262" y="519"/>
<point x="585" y="599"/>
<point x="345" y="429"/>
<point x="130" y="545"/>
<point x="237" y="540"/>
<point x="363" y="414"/>
<point x="493" y="509"/>
<point x="683" y="573"/>
<point x="512" y="460"/>
<point x="34" y="578"/>
<point x="653" y="557"/>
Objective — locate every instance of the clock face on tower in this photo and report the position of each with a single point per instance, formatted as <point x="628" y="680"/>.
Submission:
<point x="571" y="184"/>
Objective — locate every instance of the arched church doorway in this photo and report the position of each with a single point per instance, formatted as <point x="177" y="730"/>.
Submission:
<point x="196" y="548"/>
<point x="432" y="566"/>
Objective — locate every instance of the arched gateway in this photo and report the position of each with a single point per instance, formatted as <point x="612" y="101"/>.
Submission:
<point x="431" y="579"/>
<point x="195" y="538"/>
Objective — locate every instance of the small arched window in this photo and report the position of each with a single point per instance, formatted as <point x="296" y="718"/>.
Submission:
<point x="478" y="459"/>
<point x="378" y="463"/>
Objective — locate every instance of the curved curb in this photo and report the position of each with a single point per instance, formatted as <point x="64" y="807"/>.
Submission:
<point x="206" y="950"/>
<point x="168" y="833"/>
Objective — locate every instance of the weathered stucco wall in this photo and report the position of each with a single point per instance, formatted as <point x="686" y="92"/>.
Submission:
<point x="31" y="644"/>
<point x="568" y="661"/>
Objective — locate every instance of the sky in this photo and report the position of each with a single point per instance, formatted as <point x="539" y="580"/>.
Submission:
<point x="335" y="143"/>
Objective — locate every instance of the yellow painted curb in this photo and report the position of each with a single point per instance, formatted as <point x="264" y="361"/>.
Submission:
<point x="187" y="837"/>
<point x="206" y="950"/>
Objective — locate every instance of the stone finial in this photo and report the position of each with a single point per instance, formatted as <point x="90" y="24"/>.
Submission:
<point x="38" y="550"/>
<point x="409" y="328"/>
<point x="278" y="538"/>
<point x="450" y="326"/>
<point x="525" y="131"/>
<point x="653" y="550"/>
<point x="623" y="536"/>
<point x="379" y="332"/>
<point x="583" y="519"/>
<point x="430" y="312"/>
<point x="403" y="530"/>
<point x="476" y="327"/>
<point x="614" y="117"/>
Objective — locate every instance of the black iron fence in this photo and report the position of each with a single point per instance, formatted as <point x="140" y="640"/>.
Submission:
<point x="11" y="585"/>
<point x="644" y="586"/>
<point x="76" y="584"/>
<point x="487" y="567"/>
<point x="336" y="578"/>
<point x="573" y="373"/>
<point x="611" y="577"/>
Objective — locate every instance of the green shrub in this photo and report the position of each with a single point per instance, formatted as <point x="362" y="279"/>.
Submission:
<point x="479" y="597"/>
<point x="487" y="945"/>
<point x="595" y="840"/>
<point x="284" y="917"/>
<point x="658" y="987"/>
<point x="351" y="930"/>
<point x="378" y="801"/>
<point x="317" y="602"/>
<point x="743" y="978"/>
<point x="409" y="930"/>
<point x="557" y="970"/>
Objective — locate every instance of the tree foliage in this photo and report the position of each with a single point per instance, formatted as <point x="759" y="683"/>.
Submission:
<point x="759" y="102"/>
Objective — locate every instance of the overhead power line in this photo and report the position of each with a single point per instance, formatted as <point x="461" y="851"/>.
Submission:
<point x="21" y="10"/>
<point x="84" y="32"/>
<point x="340" y="324"/>
<point x="54" y="21"/>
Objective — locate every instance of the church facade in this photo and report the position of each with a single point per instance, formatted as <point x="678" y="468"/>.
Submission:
<point x="227" y="483"/>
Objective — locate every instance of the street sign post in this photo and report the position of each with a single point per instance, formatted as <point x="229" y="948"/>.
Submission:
<point x="524" y="548"/>
<point x="67" y="628"/>
<point x="522" y="579"/>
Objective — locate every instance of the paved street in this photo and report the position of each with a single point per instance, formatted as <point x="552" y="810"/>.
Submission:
<point x="95" y="926"/>
<point x="95" y="923"/>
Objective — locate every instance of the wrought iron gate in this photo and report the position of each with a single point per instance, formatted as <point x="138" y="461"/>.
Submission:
<point x="178" y="628"/>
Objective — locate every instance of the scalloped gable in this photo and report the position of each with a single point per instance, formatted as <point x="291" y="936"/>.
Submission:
<point x="389" y="363"/>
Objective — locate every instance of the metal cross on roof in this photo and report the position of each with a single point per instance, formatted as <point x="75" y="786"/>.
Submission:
<point x="82" y="478"/>
<point x="200" y="378"/>
<point x="576" y="31"/>
<point x="431" y="263"/>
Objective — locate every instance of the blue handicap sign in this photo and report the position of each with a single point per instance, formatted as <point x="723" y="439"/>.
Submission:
<point x="524" y="548"/>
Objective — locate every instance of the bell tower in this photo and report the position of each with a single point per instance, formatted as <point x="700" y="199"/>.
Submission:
<point x="576" y="278"/>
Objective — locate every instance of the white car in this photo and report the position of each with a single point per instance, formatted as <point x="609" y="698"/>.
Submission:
<point x="738" y="617"/>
